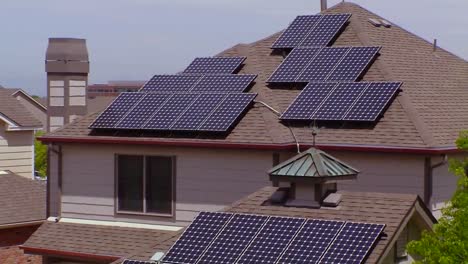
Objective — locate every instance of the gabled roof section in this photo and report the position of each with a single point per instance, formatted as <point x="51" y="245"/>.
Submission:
<point x="14" y="113"/>
<point x="426" y="116"/>
<point x="313" y="163"/>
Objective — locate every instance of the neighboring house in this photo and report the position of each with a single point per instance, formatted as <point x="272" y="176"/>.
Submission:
<point x="22" y="211"/>
<point x="113" y="88"/>
<point x="35" y="106"/>
<point x="401" y="216"/>
<point x="17" y="132"/>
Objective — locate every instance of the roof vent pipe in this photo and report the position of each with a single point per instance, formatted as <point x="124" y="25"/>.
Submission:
<point x="435" y="45"/>
<point x="323" y="5"/>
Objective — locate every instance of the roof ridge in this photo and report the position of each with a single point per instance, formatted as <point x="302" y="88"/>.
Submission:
<point x="412" y="114"/>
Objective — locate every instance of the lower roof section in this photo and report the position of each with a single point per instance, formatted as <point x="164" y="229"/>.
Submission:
<point x="93" y="242"/>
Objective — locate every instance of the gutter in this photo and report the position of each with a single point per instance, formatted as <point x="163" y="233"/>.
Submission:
<point x="22" y="224"/>
<point x="53" y="252"/>
<point x="227" y="145"/>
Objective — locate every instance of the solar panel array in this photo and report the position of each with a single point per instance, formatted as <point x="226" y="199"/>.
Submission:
<point x="199" y="83"/>
<point x="326" y="64"/>
<point x="309" y="31"/>
<point x="214" y="112"/>
<point x="355" y="101"/>
<point x="227" y="238"/>
<point x="214" y="65"/>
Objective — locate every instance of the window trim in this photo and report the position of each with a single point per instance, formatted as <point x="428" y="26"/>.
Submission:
<point x="144" y="213"/>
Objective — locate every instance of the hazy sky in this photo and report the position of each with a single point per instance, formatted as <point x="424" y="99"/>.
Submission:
<point x="135" y="39"/>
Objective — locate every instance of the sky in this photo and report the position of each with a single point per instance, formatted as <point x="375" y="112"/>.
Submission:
<point x="135" y="39"/>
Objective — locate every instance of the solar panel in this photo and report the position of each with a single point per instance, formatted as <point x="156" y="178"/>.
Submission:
<point x="128" y="261"/>
<point x="214" y="65"/>
<point x="311" y="242"/>
<point x="227" y="112"/>
<point x="116" y="110"/>
<point x="233" y="239"/>
<point x="171" y="83"/>
<point x="196" y="238"/>
<point x="322" y="65"/>
<point x="354" y="63"/>
<point x="143" y="110"/>
<point x="373" y="101"/>
<point x="196" y="113"/>
<point x="275" y="235"/>
<point x="308" y="101"/>
<point x="296" y="31"/>
<point x="339" y="101"/>
<point x="170" y="111"/>
<point x="325" y="30"/>
<point x="224" y="83"/>
<point x="293" y="65"/>
<point x="353" y="243"/>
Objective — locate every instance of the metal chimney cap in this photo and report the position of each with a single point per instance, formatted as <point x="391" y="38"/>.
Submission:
<point x="67" y="49"/>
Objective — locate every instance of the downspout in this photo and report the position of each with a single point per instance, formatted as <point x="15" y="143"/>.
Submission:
<point x="428" y="177"/>
<point x="59" y="182"/>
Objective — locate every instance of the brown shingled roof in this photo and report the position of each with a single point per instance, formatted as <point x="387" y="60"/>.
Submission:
<point x="428" y="114"/>
<point x="93" y="241"/>
<point x="22" y="200"/>
<point x="14" y="111"/>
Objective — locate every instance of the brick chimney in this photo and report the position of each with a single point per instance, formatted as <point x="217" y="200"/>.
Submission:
<point x="67" y="67"/>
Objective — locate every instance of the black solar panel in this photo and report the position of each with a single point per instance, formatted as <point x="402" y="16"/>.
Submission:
<point x="353" y="243"/>
<point x="128" y="261"/>
<point x="171" y="83"/>
<point x="227" y="112"/>
<point x="142" y="111"/>
<point x="196" y="238"/>
<point x="196" y="113"/>
<point x="354" y="63"/>
<point x="339" y="101"/>
<point x="322" y="65"/>
<point x="270" y="242"/>
<point x="224" y="83"/>
<point x="311" y="242"/>
<point x="170" y="111"/>
<point x="308" y="101"/>
<point x="325" y="30"/>
<point x="116" y="110"/>
<point x="373" y="101"/>
<point x="293" y="65"/>
<point x="233" y="239"/>
<point x="214" y="65"/>
<point x="297" y="30"/>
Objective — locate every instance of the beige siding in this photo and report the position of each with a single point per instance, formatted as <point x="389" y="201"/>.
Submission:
<point x="206" y="180"/>
<point x="16" y="151"/>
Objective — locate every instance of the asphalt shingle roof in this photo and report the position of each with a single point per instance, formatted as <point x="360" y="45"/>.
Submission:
<point x="15" y="111"/>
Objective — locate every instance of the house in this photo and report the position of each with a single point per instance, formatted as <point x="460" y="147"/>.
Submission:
<point x="18" y="117"/>
<point x="314" y="219"/>
<point x="22" y="211"/>
<point x="34" y="106"/>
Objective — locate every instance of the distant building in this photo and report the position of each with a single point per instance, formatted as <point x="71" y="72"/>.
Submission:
<point x="113" y="88"/>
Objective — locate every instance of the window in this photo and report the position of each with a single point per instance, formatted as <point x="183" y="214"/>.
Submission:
<point x="145" y="184"/>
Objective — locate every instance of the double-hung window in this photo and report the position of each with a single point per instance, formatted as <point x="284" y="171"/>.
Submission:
<point x="145" y="184"/>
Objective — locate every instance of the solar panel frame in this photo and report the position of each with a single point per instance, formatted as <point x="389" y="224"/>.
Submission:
<point x="226" y="114"/>
<point x="228" y="83"/>
<point x="336" y="105"/>
<point x="214" y="65"/>
<point x="339" y="250"/>
<point x="322" y="65"/>
<point x="171" y="83"/>
<point x="129" y="261"/>
<point x="362" y="110"/>
<point x="293" y="65"/>
<point x="190" y="252"/>
<point x="235" y="237"/>
<point x="142" y="111"/>
<point x="198" y="111"/>
<point x="346" y="70"/>
<point x="170" y="111"/>
<point x="325" y="30"/>
<point x="308" y="101"/>
<point x="115" y="111"/>
<point x="296" y="31"/>
<point x="271" y="240"/>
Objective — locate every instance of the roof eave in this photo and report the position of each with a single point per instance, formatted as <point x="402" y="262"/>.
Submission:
<point x="53" y="252"/>
<point x="257" y="146"/>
